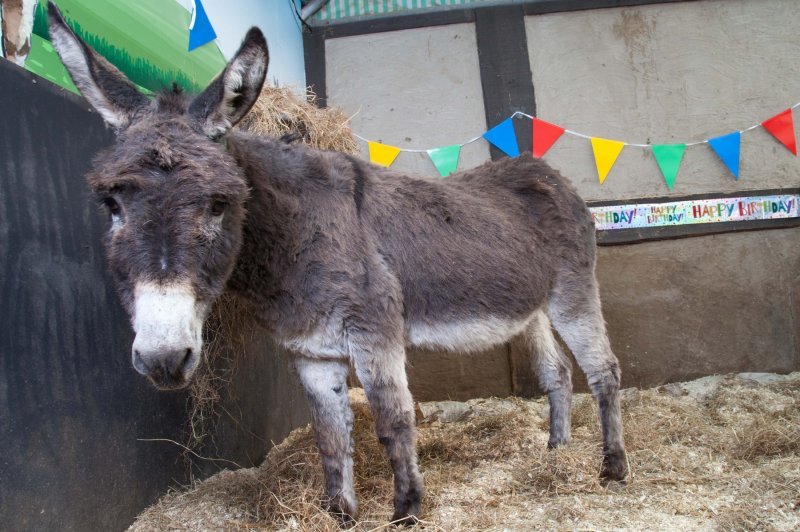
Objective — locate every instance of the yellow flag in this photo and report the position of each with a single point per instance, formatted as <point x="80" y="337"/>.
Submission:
<point x="382" y="154"/>
<point x="605" y="155"/>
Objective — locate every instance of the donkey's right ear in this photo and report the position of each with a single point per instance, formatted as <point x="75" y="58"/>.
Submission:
<point x="103" y="86"/>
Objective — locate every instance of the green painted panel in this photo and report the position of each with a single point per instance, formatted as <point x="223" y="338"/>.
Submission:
<point x="43" y="61"/>
<point x="146" y="39"/>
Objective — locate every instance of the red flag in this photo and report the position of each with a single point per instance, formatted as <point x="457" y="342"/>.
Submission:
<point x="782" y="128"/>
<point x="544" y="135"/>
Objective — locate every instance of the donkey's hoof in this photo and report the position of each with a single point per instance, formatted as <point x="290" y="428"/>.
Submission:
<point x="407" y="509"/>
<point x="343" y="519"/>
<point x="615" y="467"/>
<point x="345" y="512"/>
<point x="555" y="443"/>
<point x="404" y="519"/>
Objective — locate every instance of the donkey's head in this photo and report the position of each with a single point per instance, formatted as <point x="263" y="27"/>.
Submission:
<point x="175" y="198"/>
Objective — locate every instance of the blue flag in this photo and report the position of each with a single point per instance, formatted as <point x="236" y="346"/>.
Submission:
<point x="727" y="148"/>
<point x="502" y="135"/>
<point x="200" y="31"/>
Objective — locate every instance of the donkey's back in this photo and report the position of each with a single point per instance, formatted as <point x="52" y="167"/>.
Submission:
<point x="489" y="243"/>
<point x="462" y="263"/>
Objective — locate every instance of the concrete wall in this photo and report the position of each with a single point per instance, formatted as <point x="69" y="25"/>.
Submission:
<point x="681" y="309"/>
<point x="660" y="73"/>
<point x="668" y="73"/>
<point x="675" y="72"/>
<point x="415" y="89"/>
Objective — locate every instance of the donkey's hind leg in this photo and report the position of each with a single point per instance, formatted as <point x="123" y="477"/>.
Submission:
<point x="382" y="372"/>
<point x="554" y="371"/>
<point x="574" y="308"/>
<point x="325" y="383"/>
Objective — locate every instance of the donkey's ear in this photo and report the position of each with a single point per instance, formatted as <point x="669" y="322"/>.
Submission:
<point x="103" y="86"/>
<point x="231" y="95"/>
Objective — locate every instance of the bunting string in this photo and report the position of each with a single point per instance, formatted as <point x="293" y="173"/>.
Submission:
<point x="545" y="134"/>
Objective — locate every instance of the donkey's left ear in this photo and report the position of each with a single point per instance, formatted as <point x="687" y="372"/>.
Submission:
<point x="231" y="95"/>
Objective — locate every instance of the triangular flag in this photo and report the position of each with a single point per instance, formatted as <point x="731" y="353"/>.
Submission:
<point x="605" y="155"/>
<point x="382" y="154"/>
<point x="544" y="135"/>
<point x="668" y="157"/>
<point x="727" y="148"/>
<point x="200" y="30"/>
<point x="782" y="128"/>
<point x="445" y="159"/>
<point x="502" y="135"/>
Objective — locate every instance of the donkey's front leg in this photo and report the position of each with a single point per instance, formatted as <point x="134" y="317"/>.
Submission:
<point x="325" y="383"/>
<point x="382" y="372"/>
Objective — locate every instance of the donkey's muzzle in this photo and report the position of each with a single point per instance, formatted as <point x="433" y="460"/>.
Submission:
<point x="168" y="370"/>
<point x="168" y="322"/>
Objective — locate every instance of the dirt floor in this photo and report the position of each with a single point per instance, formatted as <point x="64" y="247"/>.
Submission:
<point x="720" y="453"/>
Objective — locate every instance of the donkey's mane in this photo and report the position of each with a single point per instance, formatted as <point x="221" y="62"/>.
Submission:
<point x="172" y="100"/>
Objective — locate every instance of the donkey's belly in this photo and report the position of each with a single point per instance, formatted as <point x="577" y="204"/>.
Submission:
<point x="464" y="335"/>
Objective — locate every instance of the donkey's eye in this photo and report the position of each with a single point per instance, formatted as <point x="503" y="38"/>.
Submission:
<point x="218" y="207"/>
<point x="112" y="206"/>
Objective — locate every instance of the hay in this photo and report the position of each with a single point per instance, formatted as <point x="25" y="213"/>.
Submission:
<point x="225" y="335"/>
<point x="727" y="458"/>
<point x="279" y="111"/>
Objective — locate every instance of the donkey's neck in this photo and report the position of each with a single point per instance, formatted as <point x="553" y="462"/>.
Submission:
<point x="271" y="236"/>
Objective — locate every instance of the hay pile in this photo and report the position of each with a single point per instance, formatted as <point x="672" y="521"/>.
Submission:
<point x="279" y="111"/>
<point x="719" y="453"/>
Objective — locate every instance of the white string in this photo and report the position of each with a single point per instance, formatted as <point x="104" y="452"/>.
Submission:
<point x="411" y="150"/>
<point x="574" y="134"/>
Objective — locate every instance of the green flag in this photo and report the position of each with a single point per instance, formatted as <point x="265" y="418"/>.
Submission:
<point x="445" y="159"/>
<point x="668" y="157"/>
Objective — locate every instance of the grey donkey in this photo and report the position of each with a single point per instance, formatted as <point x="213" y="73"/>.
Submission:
<point x="344" y="262"/>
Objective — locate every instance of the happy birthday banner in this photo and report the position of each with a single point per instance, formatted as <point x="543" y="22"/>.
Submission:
<point x="668" y="157"/>
<point x="696" y="212"/>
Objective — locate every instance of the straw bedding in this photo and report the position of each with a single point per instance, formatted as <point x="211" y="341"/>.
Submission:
<point x="714" y="454"/>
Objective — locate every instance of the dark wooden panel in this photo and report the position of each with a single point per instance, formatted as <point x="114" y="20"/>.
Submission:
<point x="314" y="55"/>
<point x="505" y="70"/>
<point x="633" y="236"/>
<point x="540" y="7"/>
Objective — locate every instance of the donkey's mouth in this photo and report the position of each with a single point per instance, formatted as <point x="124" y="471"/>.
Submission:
<point x="172" y="371"/>
<point x="163" y="381"/>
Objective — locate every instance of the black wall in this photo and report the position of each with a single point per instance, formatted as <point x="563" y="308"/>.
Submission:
<point x="72" y="409"/>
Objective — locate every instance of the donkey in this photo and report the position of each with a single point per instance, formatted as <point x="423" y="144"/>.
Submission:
<point x="344" y="262"/>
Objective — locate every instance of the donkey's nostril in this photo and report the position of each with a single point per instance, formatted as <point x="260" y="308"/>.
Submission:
<point x="187" y="357"/>
<point x="139" y="363"/>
